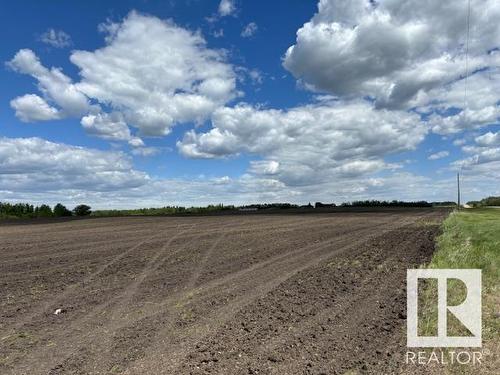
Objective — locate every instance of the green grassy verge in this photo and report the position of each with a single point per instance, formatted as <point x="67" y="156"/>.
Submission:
<point x="470" y="239"/>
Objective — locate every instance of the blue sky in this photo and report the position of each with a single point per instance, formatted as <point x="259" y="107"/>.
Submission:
<point x="150" y="103"/>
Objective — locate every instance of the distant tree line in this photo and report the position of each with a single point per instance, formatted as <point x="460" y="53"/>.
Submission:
<point x="444" y="204"/>
<point x="490" y="201"/>
<point x="26" y="210"/>
<point x="320" y="204"/>
<point x="393" y="203"/>
<point x="173" y="210"/>
<point x="180" y="210"/>
<point x="167" y="210"/>
<point x="264" y="206"/>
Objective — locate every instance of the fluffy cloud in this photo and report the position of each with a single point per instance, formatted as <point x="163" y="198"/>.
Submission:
<point x="155" y="73"/>
<point x="146" y="151"/>
<point x="34" y="164"/>
<point x="309" y="144"/>
<point x="479" y="154"/>
<point x="480" y="170"/>
<point x="111" y="127"/>
<point x="264" y="167"/>
<point x="249" y="30"/>
<point x="226" y="8"/>
<point x="36" y="170"/>
<point x="152" y="73"/>
<point x="53" y="83"/>
<point x="392" y="50"/>
<point x="481" y="103"/>
<point x="56" y="38"/>
<point x="438" y="155"/>
<point x="31" y="107"/>
<point x="482" y="165"/>
<point x="465" y="120"/>
<point x="488" y="139"/>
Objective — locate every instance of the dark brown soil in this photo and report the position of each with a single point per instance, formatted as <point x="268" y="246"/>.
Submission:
<point x="260" y="294"/>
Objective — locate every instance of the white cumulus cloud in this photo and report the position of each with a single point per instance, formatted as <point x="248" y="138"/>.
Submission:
<point x="226" y="8"/>
<point x="152" y="73"/>
<point x="53" y="83"/>
<point x="480" y="108"/>
<point x="392" y="50"/>
<point x="156" y="73"/>
<point x="249" y="30"/>
<point x="438" y="155"/>
<point x="488" y="139"/>
<point x="40" y="171"/>
<point x="306" y="145"/>
<point x="109" y="126"/>
<point x="35" y="164"/>
<point x="31" y="107"/>
<point x="56" y="38"/>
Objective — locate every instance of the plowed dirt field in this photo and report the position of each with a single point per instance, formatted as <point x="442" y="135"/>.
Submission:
<point x="248" y="294"/>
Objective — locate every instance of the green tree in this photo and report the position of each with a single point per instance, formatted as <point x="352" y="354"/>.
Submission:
<point x="44" y="211"/>
<point x="61" y="210"/>
<point x="82" y="210"/>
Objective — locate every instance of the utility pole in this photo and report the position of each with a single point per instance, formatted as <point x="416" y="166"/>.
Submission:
<point x="458" y="190"/>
